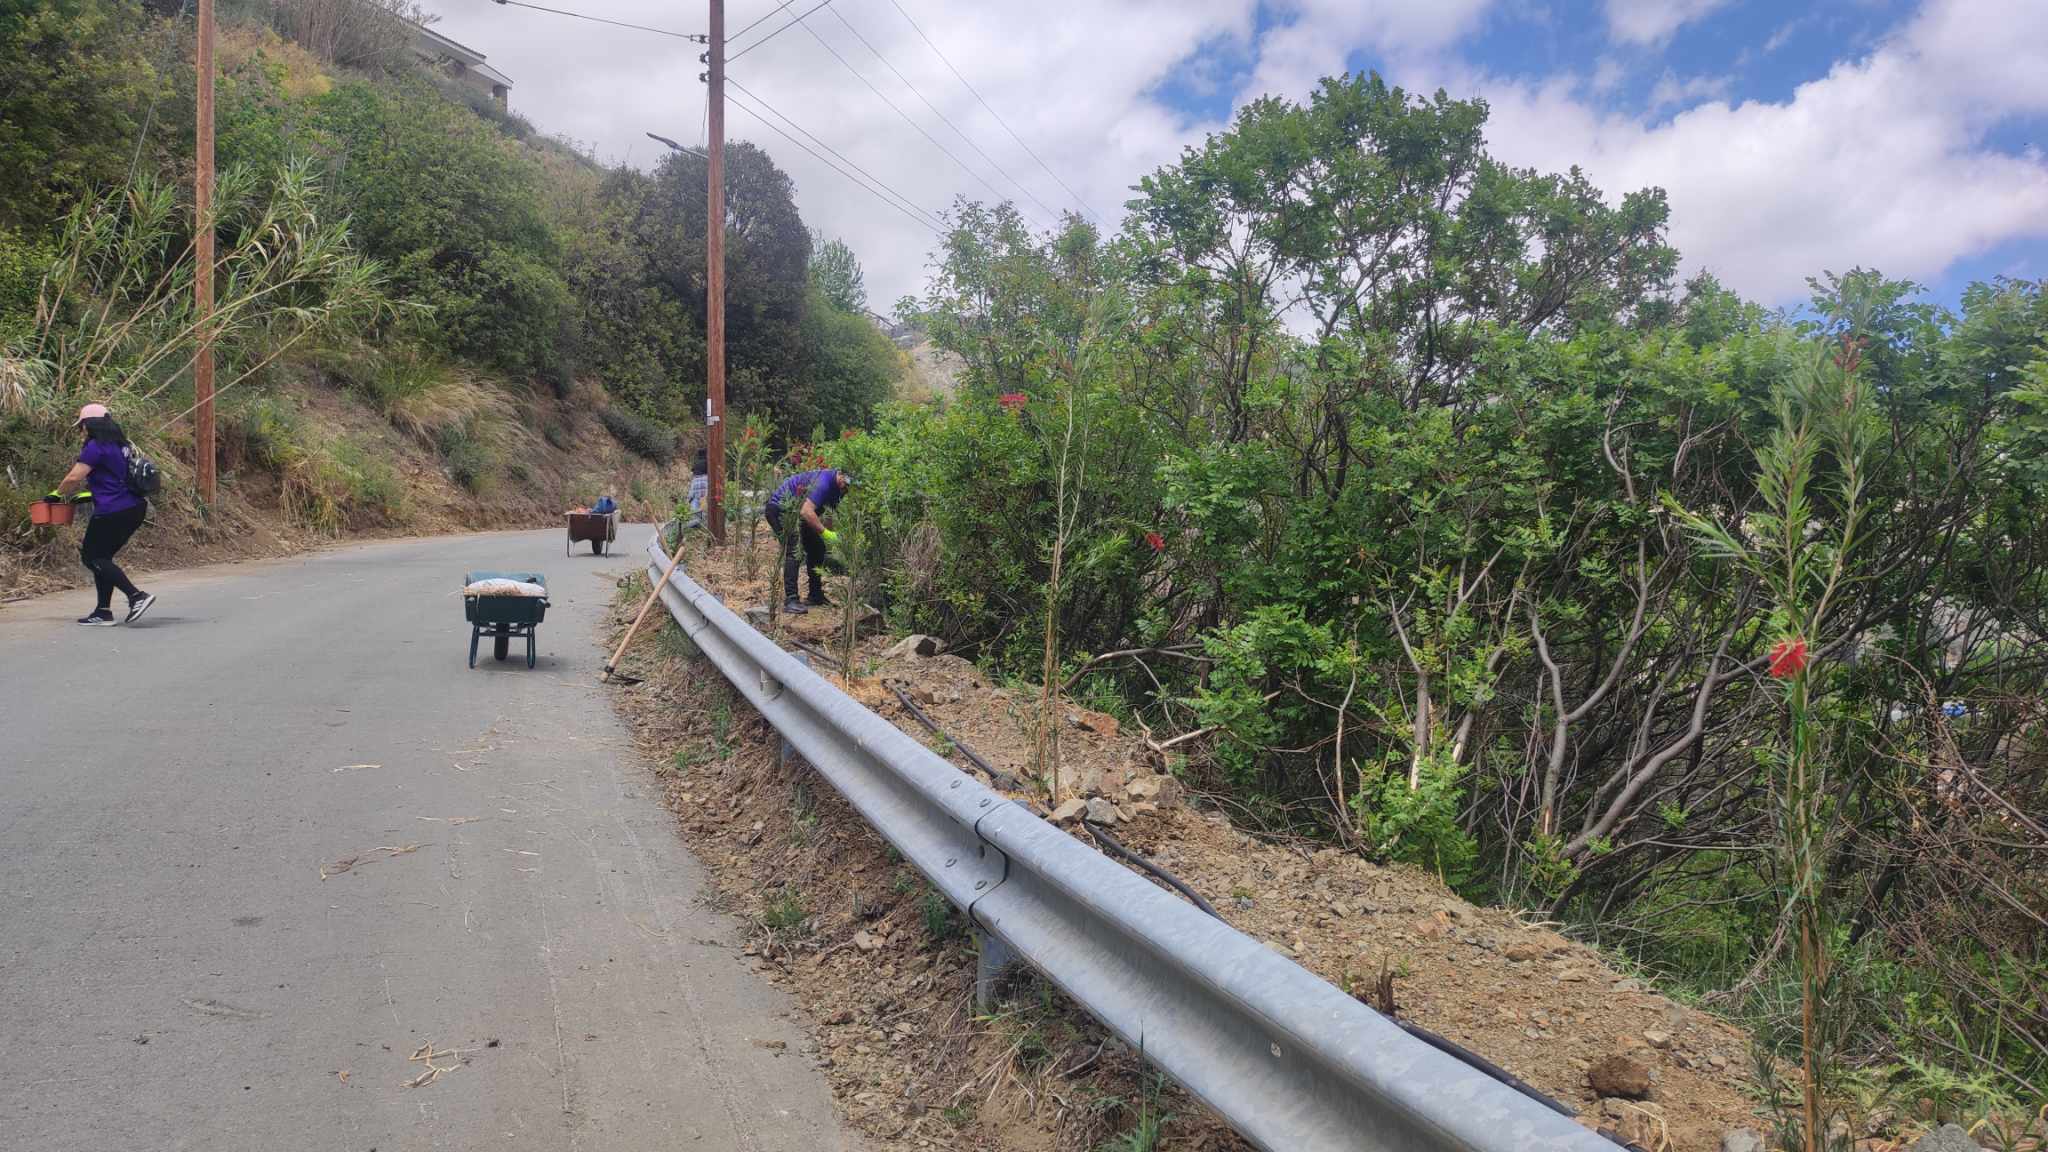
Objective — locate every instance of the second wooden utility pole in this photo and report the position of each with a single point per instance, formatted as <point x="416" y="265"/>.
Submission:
<point x="202" y="252"/>
<point x="714" y="257"/>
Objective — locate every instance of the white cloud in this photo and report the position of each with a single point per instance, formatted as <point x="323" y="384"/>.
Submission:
<point x="1671" y="90"/>
<point x="1608" y="73"/>
<point x="1652" y="22"/>
<point x="1881" y="162"/>
<point x="1319" y="37"/>
<point x="1074" y="78"/>
<point x="1786" y="32"/>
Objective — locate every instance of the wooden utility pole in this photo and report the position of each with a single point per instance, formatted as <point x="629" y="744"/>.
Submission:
<point x="714" y="257"/>
<point x="202" y="248"/>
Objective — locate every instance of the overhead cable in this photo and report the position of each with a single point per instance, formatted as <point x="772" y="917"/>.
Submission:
<point x="992" y="112"/>
<point x="697" y="36"/>
<point x="930" y="219"/>
<point x="876" y="53"/>
<point x="758" y="22"/>
<point x="884" y="198"/>
<point x="907" y="119"/>
<point x="774" y="34"/>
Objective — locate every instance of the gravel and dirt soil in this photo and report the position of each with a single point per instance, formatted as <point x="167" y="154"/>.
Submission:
<point x="886" y="971"/>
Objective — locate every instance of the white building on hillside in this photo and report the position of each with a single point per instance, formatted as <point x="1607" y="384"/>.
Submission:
<point x="464" y="63"/>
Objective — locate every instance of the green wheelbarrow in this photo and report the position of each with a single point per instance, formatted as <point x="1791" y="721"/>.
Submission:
<point x="505" y="618"/>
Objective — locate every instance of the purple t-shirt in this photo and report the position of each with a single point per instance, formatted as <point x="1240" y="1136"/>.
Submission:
<point x="109" y="479"/>
<point x="820" y="487"/>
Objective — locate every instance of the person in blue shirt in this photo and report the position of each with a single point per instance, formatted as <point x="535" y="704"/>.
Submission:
<point x="807" y="493"/>
<point x="102" y="469"/>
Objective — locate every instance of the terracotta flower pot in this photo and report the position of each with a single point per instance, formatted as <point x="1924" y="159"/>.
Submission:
<point x="44" y="512"/>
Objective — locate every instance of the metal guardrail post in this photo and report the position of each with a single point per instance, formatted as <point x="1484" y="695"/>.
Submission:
<point x="1291" y="1062"/>
<point x="787" y="751"/>
<point x="992" y="960"/>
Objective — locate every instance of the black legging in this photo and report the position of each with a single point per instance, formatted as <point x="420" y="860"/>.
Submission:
<point x="813" y="553"/>
<point x="104" y="536"/>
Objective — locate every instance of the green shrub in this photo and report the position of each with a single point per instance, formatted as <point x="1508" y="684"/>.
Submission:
<point x="22" y="263"/>
<point x="469" y="459"/>
<point x="640" y="436"/>
<point x="373" y="487"/>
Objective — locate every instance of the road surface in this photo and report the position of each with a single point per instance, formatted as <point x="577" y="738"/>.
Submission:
<point x="261" y="850"/>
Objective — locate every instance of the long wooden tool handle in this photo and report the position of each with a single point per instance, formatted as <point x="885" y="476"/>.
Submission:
<point x="644" y="606"/>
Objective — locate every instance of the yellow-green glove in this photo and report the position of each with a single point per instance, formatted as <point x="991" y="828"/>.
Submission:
<point x="829" y="535"/>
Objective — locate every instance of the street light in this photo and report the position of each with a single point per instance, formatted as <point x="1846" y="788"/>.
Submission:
<point x="675" y="147"/>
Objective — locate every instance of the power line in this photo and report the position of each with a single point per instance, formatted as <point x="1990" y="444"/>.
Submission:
<point x="756" y="24"/>
<point x="876" y="53"/>
<point x="932" y="220"/>
<point x="698" y="37"/>
<point x="883" y="97"/>
<point x="992" y="112"/>
<point x="170" y="36"/>
<point x="774" y="34"/>
<point x="829" y="164"/>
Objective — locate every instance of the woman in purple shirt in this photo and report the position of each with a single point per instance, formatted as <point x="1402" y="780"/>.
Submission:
<point x="805" y="493"/>
<point x="116" y="513"/>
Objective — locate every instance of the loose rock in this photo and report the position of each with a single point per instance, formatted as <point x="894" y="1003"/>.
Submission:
<point x="1101" y="811"/>
<point x="1161" y="789"/>
<point x="914" y="645"/>
<point x="1619" y="1076"/>
<point x="1947" y="1138"/>
<point x="1101" y="722"/>
<point x="1066" y="812"/>
<point x="1741" y="1140"/>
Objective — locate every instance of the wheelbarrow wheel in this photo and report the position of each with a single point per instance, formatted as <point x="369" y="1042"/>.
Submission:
<point x="501" y="643"/>
<point x="597" y="547"/>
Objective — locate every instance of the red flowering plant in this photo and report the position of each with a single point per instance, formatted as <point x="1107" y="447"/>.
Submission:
<point x="1156" y="541"/>
<point x="1013" y="401"/>
<point x="1788" y="658"/>
<point x="1796" y="549"/>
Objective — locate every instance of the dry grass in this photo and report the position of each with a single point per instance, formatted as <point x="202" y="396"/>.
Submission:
<point x="457" y="403"/>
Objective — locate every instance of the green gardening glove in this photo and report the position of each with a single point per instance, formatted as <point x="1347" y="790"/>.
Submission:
<point x="829" y="535"/>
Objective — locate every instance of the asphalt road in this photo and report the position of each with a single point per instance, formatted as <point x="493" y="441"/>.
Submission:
<point x="188" y="960"/>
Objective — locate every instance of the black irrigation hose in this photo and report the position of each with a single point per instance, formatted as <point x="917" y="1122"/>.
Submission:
<point x="1114" y="847"/>
<point x="820" y="653"/>
<point x="1482" y="1064"/>
<point x="1002" y="779"/>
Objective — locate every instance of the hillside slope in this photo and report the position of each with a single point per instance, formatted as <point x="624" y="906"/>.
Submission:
<point x="306" y="464"/>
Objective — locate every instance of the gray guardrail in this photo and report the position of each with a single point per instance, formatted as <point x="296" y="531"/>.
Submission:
<point x="1291" y="1062"/>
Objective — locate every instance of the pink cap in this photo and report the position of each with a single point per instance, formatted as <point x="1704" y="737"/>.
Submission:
<point x="91" y="411"/>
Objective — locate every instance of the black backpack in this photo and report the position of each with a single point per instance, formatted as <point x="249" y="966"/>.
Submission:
<point x="143" y="478"/>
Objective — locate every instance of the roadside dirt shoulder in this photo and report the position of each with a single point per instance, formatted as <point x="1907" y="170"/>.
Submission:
<point x="881" y="961"/>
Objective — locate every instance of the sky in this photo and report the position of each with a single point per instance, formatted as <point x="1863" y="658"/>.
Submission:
<point x="1792" y="138"/>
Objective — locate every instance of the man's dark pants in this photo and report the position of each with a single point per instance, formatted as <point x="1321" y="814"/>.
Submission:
<point x="813" y="556"/>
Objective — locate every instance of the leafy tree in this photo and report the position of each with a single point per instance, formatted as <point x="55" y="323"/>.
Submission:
<point x="454" y="210"/>
<point x="75" y="79"/>
<point x="835" y="274"/>
<point x="768" y="252"/>
<point x="849" y="367"/>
